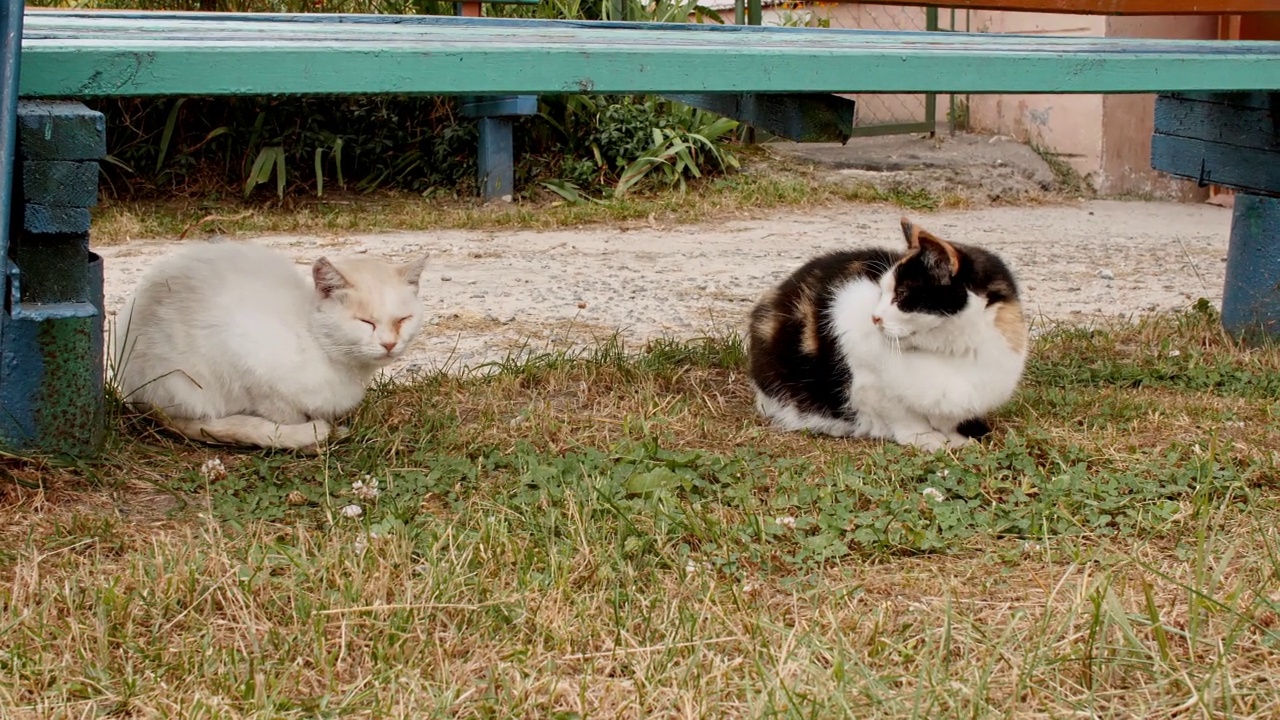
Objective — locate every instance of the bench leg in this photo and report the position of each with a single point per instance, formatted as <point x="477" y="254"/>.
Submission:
<point x="497" y="159"/>
<point x="51" y="321"/>
<point x="496" y="162"/>
<point x="1251" y="296"/>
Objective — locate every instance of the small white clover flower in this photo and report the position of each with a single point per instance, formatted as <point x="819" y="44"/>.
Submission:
<point x="690" y="567"/>
<point x="366" y="488"/>
<point x="213" y="469"/>
<point x="360" y="545"/>
<point x="1031" y="546"/>
<point x="786" y="521"/>
<point x="352" y="511"/>
<point x="933" y="494"/>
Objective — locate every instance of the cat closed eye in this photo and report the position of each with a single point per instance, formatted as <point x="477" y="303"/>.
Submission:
<point x="370" y="323"/>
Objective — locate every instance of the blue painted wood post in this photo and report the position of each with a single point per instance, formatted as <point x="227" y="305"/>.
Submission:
<point x="51" y="362"/>
<point x="1251" y="297"/>
<point x="496" y="159"/>
<point x="496" y="152"/>
<point x="495" y="147"/>
<point x="11" y="16"/>
<point x="1233" y="140"/>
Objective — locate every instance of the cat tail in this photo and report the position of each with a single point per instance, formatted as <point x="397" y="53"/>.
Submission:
<point x="974" y="428"/>
<point x="252" y="430"/>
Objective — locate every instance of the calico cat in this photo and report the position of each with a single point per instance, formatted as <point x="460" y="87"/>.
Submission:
<point x="230" y="343"/>
<point x="914" y="347"/>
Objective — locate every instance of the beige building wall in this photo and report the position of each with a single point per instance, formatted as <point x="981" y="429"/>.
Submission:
<point x="1065" y="124"/>
<point x="1128" y="120"/>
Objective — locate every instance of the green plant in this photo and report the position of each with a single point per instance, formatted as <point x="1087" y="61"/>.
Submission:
<point x="207" y="146"/>
<point x="681" y="150"/>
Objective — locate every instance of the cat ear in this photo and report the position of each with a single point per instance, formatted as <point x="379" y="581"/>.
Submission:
<point x="940" y="255"/>
<point x="327" y="278"/>
<point x="412" y="270"/>
<point x="911" y="233"/>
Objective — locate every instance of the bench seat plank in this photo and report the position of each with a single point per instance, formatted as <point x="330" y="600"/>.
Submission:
<point x="81" y="54"/>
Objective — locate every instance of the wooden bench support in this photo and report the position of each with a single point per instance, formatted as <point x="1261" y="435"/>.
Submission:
<point x="496" y="153"/>
<point x="1251" y="297"/>
<point x="802" y="117"/>
<point x="51" y="344"/>
<point x="1233" y="140"/>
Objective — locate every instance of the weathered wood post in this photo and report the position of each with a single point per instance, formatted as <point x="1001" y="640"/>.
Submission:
<point x="51" y="347"/>
<point x="495" y="163"/>
<point x="1233" y="140"/>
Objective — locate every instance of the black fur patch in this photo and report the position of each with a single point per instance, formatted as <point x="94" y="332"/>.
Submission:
<point x="780" y="365"/>
<point x="974" y="428"/>
<point x="924" y="284"/>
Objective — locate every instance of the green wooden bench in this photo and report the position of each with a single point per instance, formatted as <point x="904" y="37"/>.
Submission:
<point x="1218" y="122"/>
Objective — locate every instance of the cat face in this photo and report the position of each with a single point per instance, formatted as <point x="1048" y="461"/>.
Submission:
<point x="367" y="310"/>
<point x="922" y="291"/>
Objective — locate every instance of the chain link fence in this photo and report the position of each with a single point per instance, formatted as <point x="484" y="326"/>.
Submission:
<point x="875" y="114"/>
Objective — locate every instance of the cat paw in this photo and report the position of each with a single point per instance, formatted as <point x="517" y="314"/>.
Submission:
<point x="928" y="441"/>
<point x="956" y="440"/>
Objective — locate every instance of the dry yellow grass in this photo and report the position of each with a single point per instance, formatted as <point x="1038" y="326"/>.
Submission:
<point x="511" y="569"/>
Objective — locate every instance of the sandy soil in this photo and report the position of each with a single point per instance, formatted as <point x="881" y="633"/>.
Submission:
<point x="487" y="293"/>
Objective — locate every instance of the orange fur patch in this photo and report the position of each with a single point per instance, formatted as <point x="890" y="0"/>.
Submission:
<point x="765" y="325"/>
<point x="807" y="313"/>
<point x="1012" y="325"/>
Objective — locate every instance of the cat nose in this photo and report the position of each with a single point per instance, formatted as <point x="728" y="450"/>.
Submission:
<point x="390" y="345"/>
<point x="876" y="319"/>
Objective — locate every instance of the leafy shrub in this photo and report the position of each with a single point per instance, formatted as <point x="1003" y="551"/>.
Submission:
<point x="290" y="145"/>
<point x="219" y="146"/>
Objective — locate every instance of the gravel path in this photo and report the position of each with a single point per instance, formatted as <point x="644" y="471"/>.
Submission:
<point x="488" y="292"/>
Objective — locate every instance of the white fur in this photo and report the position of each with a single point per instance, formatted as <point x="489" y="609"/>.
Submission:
<point x="917" y="376"/>
<point x="232" y="344"/>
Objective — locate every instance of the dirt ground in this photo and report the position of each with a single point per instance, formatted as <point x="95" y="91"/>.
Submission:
<point x="980" y="168"/>
<point x="487" y="293"/>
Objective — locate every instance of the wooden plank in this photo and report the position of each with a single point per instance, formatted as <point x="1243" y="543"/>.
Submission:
<point x="1245" y="169"/>
<point x="504" y="106"/>
<point x="77" y="56"/>
<point x="1250" y="123"/>
<point x="1102" y="7"/>
<point x="60" y="131"/>
<point x="798" y="117"/>
<point x="1259" y="100"/>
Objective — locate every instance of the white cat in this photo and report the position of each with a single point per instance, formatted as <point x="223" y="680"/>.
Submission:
<point x="915" y="347"/>
<point x="230" y="343"/>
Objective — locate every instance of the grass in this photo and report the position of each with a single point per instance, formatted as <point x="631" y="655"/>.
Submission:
<point x="764" y="187"/>
<point x="613" y="534"/>
<point x="1070" y="181"/>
